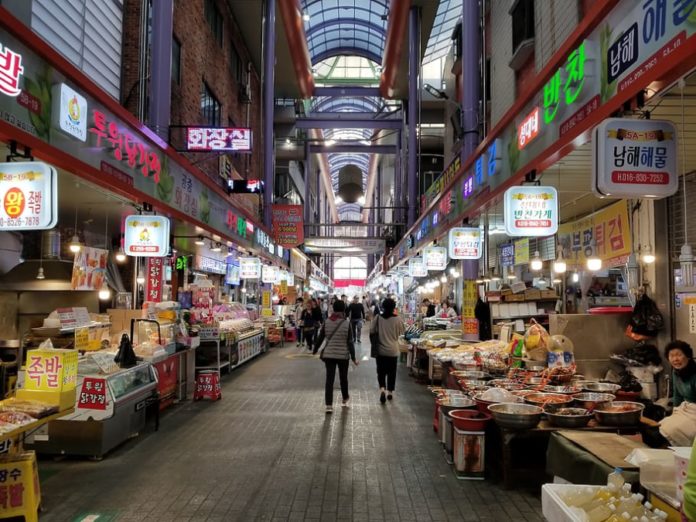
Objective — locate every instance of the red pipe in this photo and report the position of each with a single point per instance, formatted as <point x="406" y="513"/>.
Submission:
<point x="291" y="12"/>
<point x="396" y="28"/>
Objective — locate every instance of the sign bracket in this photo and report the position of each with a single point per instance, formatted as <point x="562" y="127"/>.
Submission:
<point x="13" y="155"/>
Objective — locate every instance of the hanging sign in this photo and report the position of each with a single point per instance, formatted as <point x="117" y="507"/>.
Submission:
<point x="89" y="269"/>
<point x="288" y="225"/>
<point x="416" y="267"/>
<point x="29" y="195"/>
<point x="521" y="251"/>
<point x="232" y="273"/>
<point x="266" y="299"/>
<point x="291" y="279"/>
<point x="70" y="111"/>
<point x="209" y="139"/>
<point x="269" y="274"/>
<point x="507" y="254"/>
<point x="153" y="279"/>
<point x="146" y="236"/>
<point x="249" y="268"/>
<point x="531" y="211"/>
<point x="465" y="243"/>
<point x="634" y="158"/>
<point x="435" y="258"/>
<point x="470" y="298"/>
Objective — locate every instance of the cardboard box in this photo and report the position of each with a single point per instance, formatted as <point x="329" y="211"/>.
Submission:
<point x="549" y="294"/>
<point x="121" y="319"/>
<point x="506" y="291"/>
<point x="532" y="293"/>
<point x="493" y="296"/>
<point x="514" y="298"/>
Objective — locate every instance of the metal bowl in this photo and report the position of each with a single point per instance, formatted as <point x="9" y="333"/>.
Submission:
<point x="569" y="417"/>
<point x="536" y="381"/>
<point x="508" y="384"/>
<point x="601" y="387"/>
<point x="592" y="400"/>
<point x="471" y="374"/>
<point x="536" y="368"/>
<point x="515" y="416"/>
<point x="542" y="399"/>
<point x="473" y="384"/>
<point x="569" y="389"/>
<point x="607" y="417"/>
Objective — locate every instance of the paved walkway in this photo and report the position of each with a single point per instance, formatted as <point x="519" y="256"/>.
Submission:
<point x="267" y="451"/>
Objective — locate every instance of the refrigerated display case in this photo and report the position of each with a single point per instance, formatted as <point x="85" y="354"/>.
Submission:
<point x="110" y="408"/>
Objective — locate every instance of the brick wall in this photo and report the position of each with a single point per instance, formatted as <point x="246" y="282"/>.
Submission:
<point x="202" y="60"/>
<point x="555" y="20"/>
<point x="502" y="76"/>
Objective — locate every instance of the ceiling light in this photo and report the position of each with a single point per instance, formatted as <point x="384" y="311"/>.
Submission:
<point x="140" y="280"/>
<point x="200" y="241"/>
<point x="575" y="277"/>
<point x="361" y="200"/>
<point x="329" y="143"/>
<point x="559" y="265"/>
<point x="366" y="142"/>
<point x="305" y="16"/>
<point x="455" y="274"/>
<point x="244" y="290"/>
<point x="541" y="281"/>
<point x="557" y="281"/>
<point x="75" y="245"/>
<point x="217" y="247"/>
<point x="105" y="292"/>
<point x="339" y="199"/>
<point x="443" y="279"/>
<point x="594" y="264"/>
<point x="40" y="275"/>
<point x="495" y="277"/>
<point x="452" y="270"/>
<point x="648" y="256"/>
<point x="120" y="256"/>
<point x="288" y="141"/>
<point x="536" y="263"/>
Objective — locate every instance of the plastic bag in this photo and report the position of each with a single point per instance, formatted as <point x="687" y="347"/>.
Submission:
<point x="646" y="319"/>
<point x="537" y="342"/>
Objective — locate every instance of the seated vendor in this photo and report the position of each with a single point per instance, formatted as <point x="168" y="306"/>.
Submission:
<point x="680" y="428"/>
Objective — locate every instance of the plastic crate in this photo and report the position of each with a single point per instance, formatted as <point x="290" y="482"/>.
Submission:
<point x="553" y="508"/>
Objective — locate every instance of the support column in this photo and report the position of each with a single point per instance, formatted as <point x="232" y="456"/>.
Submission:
<point x="413" y="68"/>
<point x="269" y="40"/>
<point x="380" y="212"/>
<point x="161" y="73"/>
<point x="317" y="210"/>
<point x="400" y="213"/>
<point x="305" y="196"/>
<point x="470" y="96"/>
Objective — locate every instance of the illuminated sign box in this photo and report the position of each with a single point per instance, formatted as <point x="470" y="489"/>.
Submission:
<point x="531" y="211"/>
<point x="28" y="196"/>
<point x="465" y="243"/>
<point x="214" y="139"/>
<point x="146" y="236"/>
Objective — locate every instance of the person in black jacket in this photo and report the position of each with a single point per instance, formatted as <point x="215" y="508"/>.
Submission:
<point x="356" y="312"/>
<point x="430" y="312"/>
<point x="318" y="320"/>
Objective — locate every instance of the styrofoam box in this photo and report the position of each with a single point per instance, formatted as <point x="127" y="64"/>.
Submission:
<point x="553" y="508"/>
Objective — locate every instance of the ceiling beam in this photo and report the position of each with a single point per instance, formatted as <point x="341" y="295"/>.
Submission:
<point x="396" y="29"/>
<point x="291" y="12"/>
<point x="347" y="91"/>
<point x="353" y="149"/>
<point x="346" y="120"/>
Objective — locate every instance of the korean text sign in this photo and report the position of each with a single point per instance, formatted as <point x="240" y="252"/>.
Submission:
<point x="269" y="274"/>
<point x="154" y="279"/>
<point x="249" y="268"/>
<point x="416" y="267"/>
<point x="93" y="395"/>
<point x="206" y="139"/>
<point x="288" y="225"/>
<point x="605" y="234"/>
<point x="51" y="370"/>
<point x="146" y="236"/>
<point x="465" y="243"/>
<point x="531" y="211"/>
<point x="634" y="158"/>
<point x="435" y="258"/>
<point x="29" y="196"/>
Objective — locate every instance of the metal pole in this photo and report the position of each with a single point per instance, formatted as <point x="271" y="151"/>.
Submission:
<point x="317" y="207"/>
<point x="413" y="61"/>
<point x="269" y="40"/>
<point x="399" y="213"/>
<point x="161" y="77"/>
<point x="308" y="170"/>
<point x="471" y="41"/>
<point x="379" y="193"/>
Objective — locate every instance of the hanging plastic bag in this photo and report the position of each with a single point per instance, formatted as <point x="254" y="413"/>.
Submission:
<point x="537" y="342"/>
<point x="646" y="319"/>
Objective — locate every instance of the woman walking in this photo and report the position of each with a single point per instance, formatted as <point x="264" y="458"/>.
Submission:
<point x="389" y="327"/>
<point x="338" y="352"/>
<point x="309" y="324"/>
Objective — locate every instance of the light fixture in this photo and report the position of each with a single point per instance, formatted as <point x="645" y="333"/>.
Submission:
<point x="361" y="200"/>
<point x="140" y="280"/>
<point x="648" y="256"/>
<point x="200" y="241"/>
<point x="120" y="256"/>
<point x="244" y="290"/>
<point x="495" y="276"/>
<point x="40" y="275"/>
<point x="443" y="279"/>
<point x="75" y="245"/>
<point x="329" y="143"/>
<point x="511" y="275"/>
<point x="559" y="265"/>
<point x="305" y="16"/>
<point x="452" y="270"/>
<point x="557" y="281"/>
<point x="104" y="292"/>
<point x="536" y="263"/>
<point x="455" y="274"/>
<point x="217" y="247"/>
<point x="575" y="278"/>
<point x="339" y="199"/>
<point x="367" y="143"/>
<point x="594" y="263"/>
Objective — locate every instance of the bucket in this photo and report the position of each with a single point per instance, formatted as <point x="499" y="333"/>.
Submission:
<point x="469" y="420"/>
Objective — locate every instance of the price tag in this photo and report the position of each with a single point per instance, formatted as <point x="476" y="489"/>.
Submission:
<point x="267" y="312"/>
<point x="82" y="338"/>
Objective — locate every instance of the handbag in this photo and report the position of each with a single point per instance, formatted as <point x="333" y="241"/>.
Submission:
<point x="323" y="344"/>
<point x="374" y="341"/>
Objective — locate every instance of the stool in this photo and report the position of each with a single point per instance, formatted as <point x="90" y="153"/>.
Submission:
<point x="290" y="335"/>
<point x="207" y="385"/>
<point x="21" y="495"/>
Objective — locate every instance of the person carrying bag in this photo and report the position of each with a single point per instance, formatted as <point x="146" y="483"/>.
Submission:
<point x="385" y="331"/>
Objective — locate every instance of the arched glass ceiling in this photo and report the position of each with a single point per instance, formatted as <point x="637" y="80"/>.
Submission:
<point x="345" y="27"/>
<point x="448" y="14"/>
<point x="347" y="70"/>
<point x="347" y="104"/>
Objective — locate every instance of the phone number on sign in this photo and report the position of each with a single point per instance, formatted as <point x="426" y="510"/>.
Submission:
<point x="643" y="178"/>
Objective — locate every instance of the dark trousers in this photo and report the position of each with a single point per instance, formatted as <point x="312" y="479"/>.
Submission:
<point x="308" y="334"/>
<point x="331" y="365"/>
<point x="386" y="371"/>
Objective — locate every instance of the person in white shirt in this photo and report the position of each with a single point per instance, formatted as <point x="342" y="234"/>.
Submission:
<point x="389" y="327"/>
<point x="299" y="306"/>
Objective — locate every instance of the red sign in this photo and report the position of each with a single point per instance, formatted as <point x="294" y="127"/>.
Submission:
<point x="206" y="139"/>
<point x="93" y="394"/>
<point x="10" y="70"/>
<point x="640" y="178"/>
<point x="528" y="129"/>
<point x="288" y="225"/>
<point x="208" y="386"/>
<point x="154" y="277"/>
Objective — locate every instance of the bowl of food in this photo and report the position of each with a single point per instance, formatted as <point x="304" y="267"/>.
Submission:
<point x="473" y="384"/>
<point x="455" y="403"/>
<point x="601" y="387"/>
<point x="549" y="401"/>
<point x="620" y="413"/>
<point x="470" y="374"/>
<point x="591" y="401"/>
<point x="568" y="389"/>
<point x="494" y="396"/>
<point x="516" y="416"/>
<point x="508" y="384"/>
<point x="536" y="381"/>
<point x="469" y="420"/>
<point x="568" y="417"/>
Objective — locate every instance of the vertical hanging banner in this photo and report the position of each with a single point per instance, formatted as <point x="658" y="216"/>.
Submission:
<point x="435" y="258"/>
<point x="469" y="322"/>
<point x="521" y="251"/>
<point x="154" y="279"/>
<point x="29" y="195"/>
<point x="146" y="236"/>
<point x="249" y="268"/>
<point x="531" y="211"/>
<point x="634" y="159"/>
<point x="465" y="243"/>
<point x="288" y="225"/>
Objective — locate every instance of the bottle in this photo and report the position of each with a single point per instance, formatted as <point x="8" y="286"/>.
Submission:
<point x="607" y="492"/>
<point x="616" y="478"/>
<point x="599" y="513"/>
<point x="579" y="496"/>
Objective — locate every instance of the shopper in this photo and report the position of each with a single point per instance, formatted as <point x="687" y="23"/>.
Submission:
<point x="338" y="351"/>
<point x="389" y="327"/>
<point x="447" y="312"/>
<point x="325" y="309"/>
<point x="429" y="308"/>
<point x="309" y="324"/>
<point x="680" y="428"/>
<point x="356" y="312"/>
<point x="318" y="323"/>
<point x="299" y="307"/>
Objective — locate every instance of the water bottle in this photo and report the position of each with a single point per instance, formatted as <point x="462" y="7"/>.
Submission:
<point x="616" y="478"/>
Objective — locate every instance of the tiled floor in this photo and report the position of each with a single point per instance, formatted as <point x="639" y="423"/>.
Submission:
<point x="267" y="451"/>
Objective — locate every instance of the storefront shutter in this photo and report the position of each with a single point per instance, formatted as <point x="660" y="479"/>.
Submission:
<point x="676" y="218"/>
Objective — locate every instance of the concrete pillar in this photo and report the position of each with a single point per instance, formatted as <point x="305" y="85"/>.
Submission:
<point x="470" y="96"/>
<point x="269" y="40"/>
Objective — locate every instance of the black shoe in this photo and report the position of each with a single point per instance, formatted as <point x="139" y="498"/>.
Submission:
<point x="382" y="398"/>
<point x="389" y="396"/>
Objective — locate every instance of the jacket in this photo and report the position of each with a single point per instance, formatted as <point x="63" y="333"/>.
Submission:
<point x="356" y="311"/>
<point x="684" y="389"/>
<point x="338" y="343"/>
<point x="389" y="331"/>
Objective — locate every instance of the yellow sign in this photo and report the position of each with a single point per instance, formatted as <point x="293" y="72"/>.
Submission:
<point x="82" y="338"/>
<point x="266" y="299"/>
<point x="606" y="234"/>
<point x="470" y="298"/>
<point x="267" y="312"/>
<point x="50" y="376"/>
<point x="19" y="490"/>
<point x="283" y="287"/>
<point x="689" y="301"/>
<point x="522" y="251"/>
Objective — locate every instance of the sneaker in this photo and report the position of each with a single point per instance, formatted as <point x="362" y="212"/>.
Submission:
<point x="382" y="398"/>
<point x="329" y="409"/>
<point x="389" y="396"/>
<point x="298" y="344"/>
<point x="345" y="403"/>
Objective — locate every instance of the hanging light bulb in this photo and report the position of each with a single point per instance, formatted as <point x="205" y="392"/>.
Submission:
<point x="495" y="276"/>
<point x="648" y="256"/>
<point x="594" y="263"/>
<point x="40" y="275"/>
<point x="120" y="256"/>
<point x="559" y="265"/>
<point x="455" y="274"/>
<point x="557" y="281"/>
<point x="443" y="279"/>
<point x="75" y="245"/>
<point x="452" y="270"/>
<point x="217" y="247"/>
<point x="536" y="263"/>
<point x="140" y="280"/>
<point x="105" y="292"/>
<point x="200" y="241"/>
<point x="575" y="277"/>
<point x="512" y="274"/>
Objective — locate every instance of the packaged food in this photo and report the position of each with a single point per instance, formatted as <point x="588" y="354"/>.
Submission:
<point x="17" y="418"/>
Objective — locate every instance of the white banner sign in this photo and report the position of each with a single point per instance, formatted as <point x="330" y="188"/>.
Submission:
<point x="634" y="158"/>
<point x="249" y="268"/>
<point x="146" y="236"/>
<point x="531" y="211"/>
<point x="435" y="258"/>
<point x="29" y="195"/>
<point x="416" y="267"/>
<point x="269" y="274"/>
<point x="465" y="243"/>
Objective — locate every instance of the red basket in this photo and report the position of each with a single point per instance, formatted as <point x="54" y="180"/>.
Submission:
<point x="469" y="420"/>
